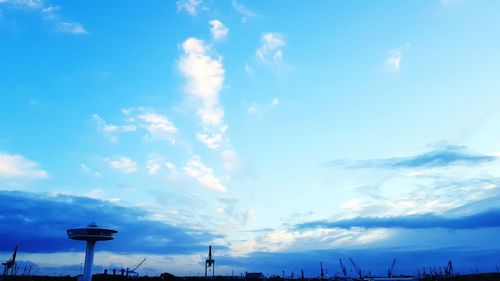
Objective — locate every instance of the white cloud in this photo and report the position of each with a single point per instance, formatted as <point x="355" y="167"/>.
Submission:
<point x="14" y="166"/>
<point x="29" y="4"/>
<point x="111" y="130"/>
<point x="123" y="164"/>
<point x="240" y="8"/>
<point x="190" y="6"/>
<point x="204" y="175"/>
<point x="50" y="14"/>
<point x="71" y="27"/>
<point x="205" y="78"/>
<point x="219" y="30"/>
<point x="271" y="48"/>
<point x="158" y="126"/>
<point x="275" y="102"/>
<point x="90" y="171"/>
<point x="157" y="163"/>
<point x="393" y="62"/>
<point x="153" y="166"/>
<point x="213" y="141"/>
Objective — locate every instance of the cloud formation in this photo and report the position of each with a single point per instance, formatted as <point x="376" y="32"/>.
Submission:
<point x="204" y="76"/>
<point x="203" y="175"/>
<point x="158" y="126"/>
<point x="440" y="157"/>
<point x="14" y="166"/>
<point x="489" y="218"/>
<point x="50" y="13"/>
<point x="110" y="130"/>
<point x="190" y="6"/>
<point x="123" y="164"/>
<point x="38" y="223"/>
<point x="243" y="10"/>
<point x="219" y="30"/>
<point x="271" y="48"/>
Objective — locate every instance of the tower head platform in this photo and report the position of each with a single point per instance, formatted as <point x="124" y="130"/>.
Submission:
<point x="91" y="233"/>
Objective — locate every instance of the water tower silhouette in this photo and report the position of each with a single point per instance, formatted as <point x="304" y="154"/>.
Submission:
<point x="92" y="233"/>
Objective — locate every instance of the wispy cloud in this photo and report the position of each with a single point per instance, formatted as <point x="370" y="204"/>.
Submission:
<point x="260" y="108"/>
<point x="229" y="159"/>
<point x="111" y="130"/>
<point x="219" y="30"/>
<point x="212" y="141"/>
<point x="158" y="126"/>
<point x="490" y="218"/>
<point x="203" y="175"/>
<point x="190" y="6"/>
<point x="271" y="48"/>
<point x="50" y="13"/>
<point x="86" y="169"/>
<point x="18" y="167"/>
<point x="205" y="77"/>
<point x="157" y="163"/>
<point x="243" y="10"/>
<point x="393" y="61"/>
<point x="440" y="157"/>
<point x="123" y="164"/>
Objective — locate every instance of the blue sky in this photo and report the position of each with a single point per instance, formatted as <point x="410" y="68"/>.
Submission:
<point x="283" y="133"/>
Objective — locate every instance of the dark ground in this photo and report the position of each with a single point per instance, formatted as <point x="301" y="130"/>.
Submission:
<point x="170" y="277"/>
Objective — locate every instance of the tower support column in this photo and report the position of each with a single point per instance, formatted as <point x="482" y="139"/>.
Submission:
<point x="89" y="260"/>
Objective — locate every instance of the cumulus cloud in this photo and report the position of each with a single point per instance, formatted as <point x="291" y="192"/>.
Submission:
<point x="219" y="30"/>
<point x="205" y="78"/>
<point x="271" y="48"/>
<point x="123" y="164"/>
<point x="190" y="6"/>
<point x="203" y="175"/>
<point x="50" y="13"/>
<point x="14" y="166"/>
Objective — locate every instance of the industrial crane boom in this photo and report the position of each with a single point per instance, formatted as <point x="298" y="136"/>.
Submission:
<point x="358" y="270"/>
<point x="137" y="266"/>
